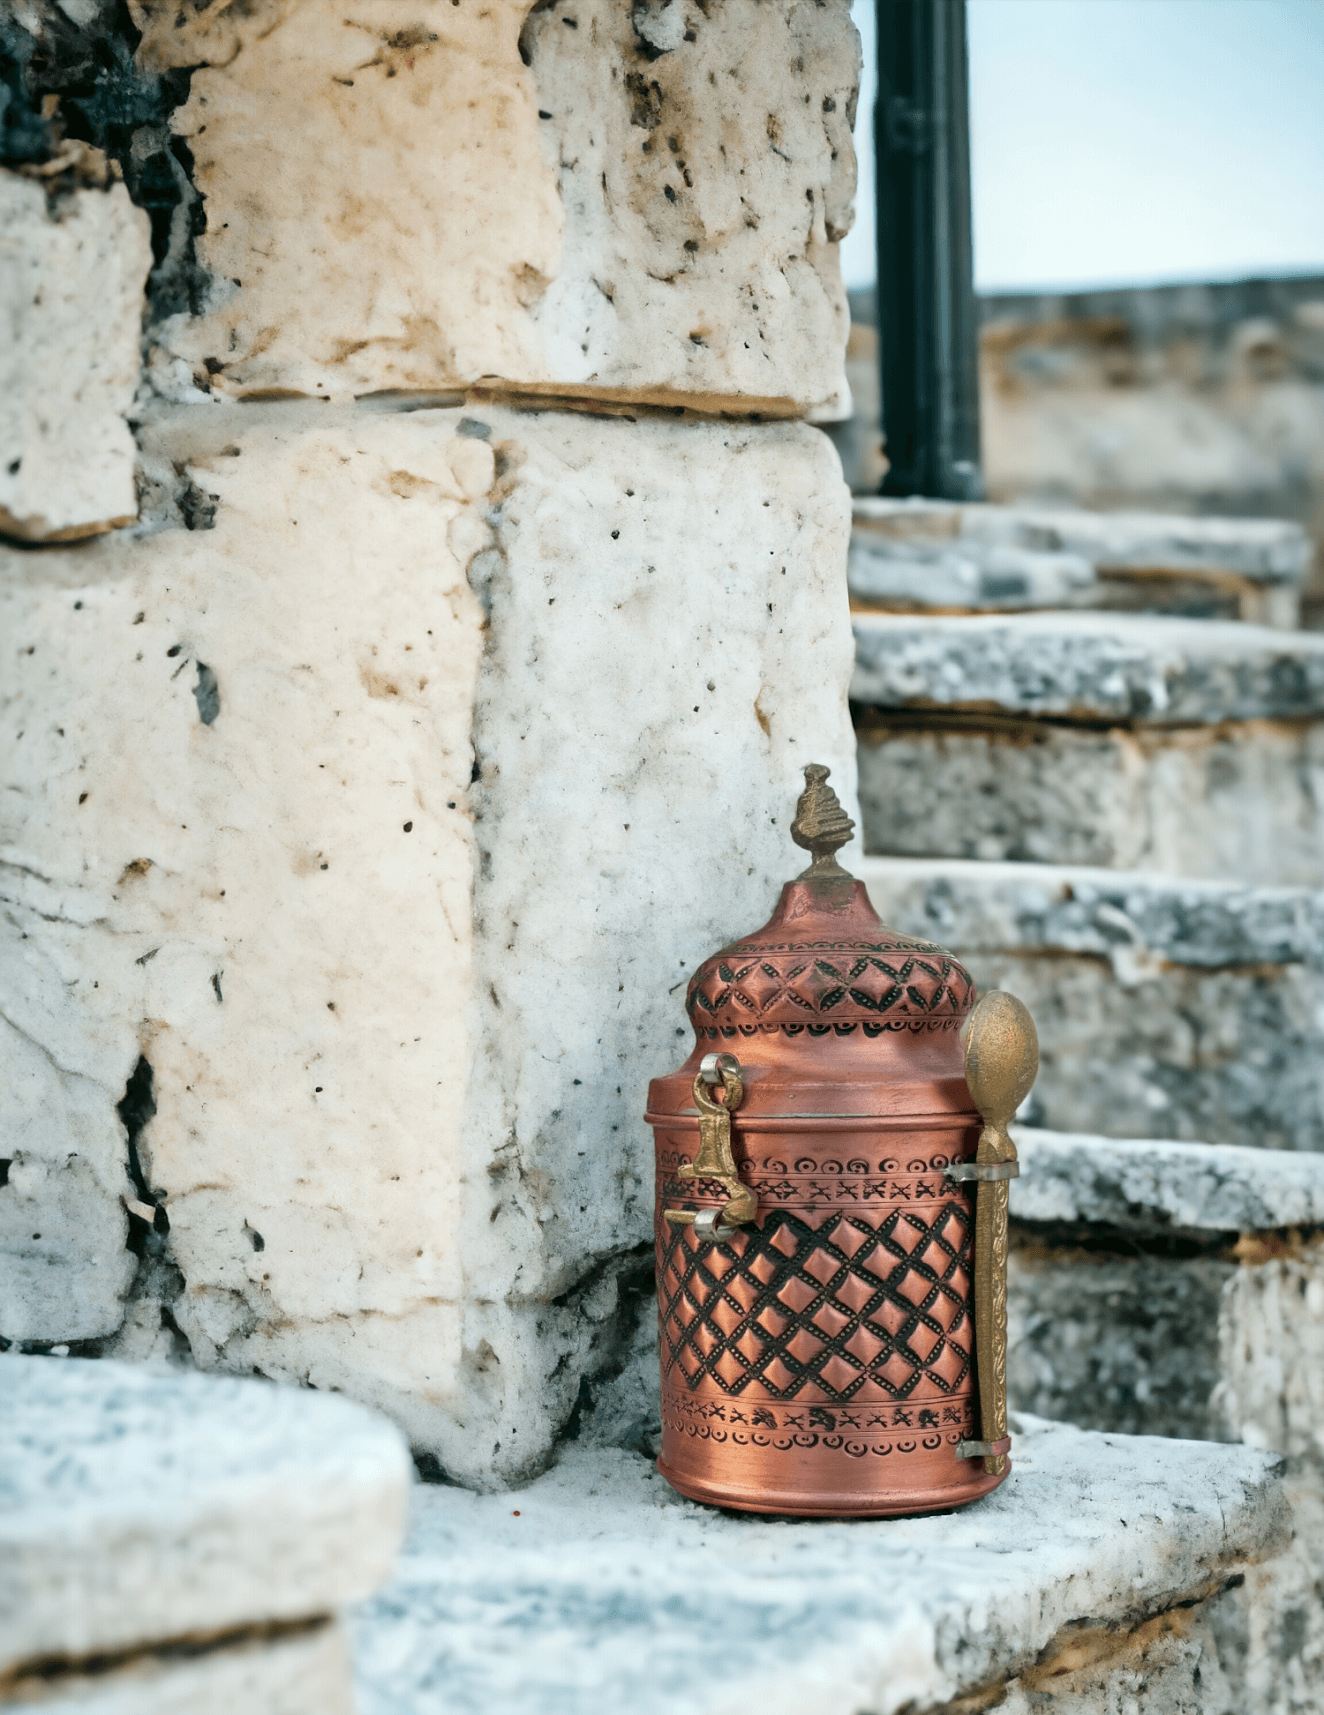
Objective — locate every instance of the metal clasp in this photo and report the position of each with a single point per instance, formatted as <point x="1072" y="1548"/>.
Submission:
<point x="714" y="1159"/>
<point x="987" y="1172"/>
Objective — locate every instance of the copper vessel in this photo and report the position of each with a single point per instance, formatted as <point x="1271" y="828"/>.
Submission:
<point x="816" y="1223"/>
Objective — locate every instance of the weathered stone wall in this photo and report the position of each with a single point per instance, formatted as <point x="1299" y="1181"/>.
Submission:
<point x="357" y="792"/>
<point x="1197" y="398"/>
<point x="644" y="199"/>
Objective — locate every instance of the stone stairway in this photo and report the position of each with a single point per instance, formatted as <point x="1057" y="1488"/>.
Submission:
<point x="1101" y="788"/>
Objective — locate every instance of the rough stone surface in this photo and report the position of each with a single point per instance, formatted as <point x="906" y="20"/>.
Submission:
<point x="1200" y="397"/>
<point x="1124" y="1343"/>
<point x="1181" y="1006"/>
<point x="1270" y="1394"/>
<point x="139" y="1506"/>
<point x="73" y="265"/>
<point x="1150" y="1187"/>
<point x="705" y="165"/>
<point x="369" y="819"/>
<point x="304" y="1673"/>
<point x="1096" y="667"/>
<point x="1265" y="550"/>
<point x="888" y="573"/>
<point x="1239" y="801"/>
<point x="1272" y="1339"/>
<point x="632" y="201"/>
<point x="598" y="1585"/>
<point x="1128" y="1308"/>
<point x="1237" y="568"/>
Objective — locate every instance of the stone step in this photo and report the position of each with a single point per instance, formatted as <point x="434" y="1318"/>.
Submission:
<point x="934" y="554"/>
<point x="172" y="1541"/>
<point x="597" y="1586"/>
<point x="1195" y="1008"/>
<point x="1140" y="1274"/>
<point x="1185" y="746"/>
<point x="1166" y="1288"/>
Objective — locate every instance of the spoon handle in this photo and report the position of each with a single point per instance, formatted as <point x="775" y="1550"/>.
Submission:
<point x="991" y="1241"/>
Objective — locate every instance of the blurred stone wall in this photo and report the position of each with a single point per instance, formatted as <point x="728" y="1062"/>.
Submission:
<point x="1204" y="398"/>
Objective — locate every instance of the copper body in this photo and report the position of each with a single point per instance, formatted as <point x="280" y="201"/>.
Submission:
<point x="821" y="1360"/>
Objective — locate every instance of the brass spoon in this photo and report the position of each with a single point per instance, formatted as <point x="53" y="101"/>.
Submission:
<point x="1001" y="1064"/>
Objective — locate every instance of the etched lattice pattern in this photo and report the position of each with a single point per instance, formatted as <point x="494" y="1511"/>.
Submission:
<point x="804" y="990"/>
<point x="849" y="1307"/>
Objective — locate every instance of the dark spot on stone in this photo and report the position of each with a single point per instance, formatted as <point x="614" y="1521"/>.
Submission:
<point x="135" y="1109"/>
<point x="615" y="535"/>
<point x="475" y="430"/>
<point x="216" y="985"/>
<point x="82" y="797"/>
<point x="198" y="508"/>
<point x="14" y="465"/>
<point x="409" y="827"/>
<point x="77" y="605"/>
<point x="174" y="649"/>
<point x="207" y="694"/>
<point x="668" y="191"/>
<point x="255" y="1238"/>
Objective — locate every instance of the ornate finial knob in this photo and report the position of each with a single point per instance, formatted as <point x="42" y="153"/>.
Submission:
<point x="821" y="826"/>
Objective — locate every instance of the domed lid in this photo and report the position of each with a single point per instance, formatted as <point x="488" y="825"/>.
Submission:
<point x="825" y="962"/>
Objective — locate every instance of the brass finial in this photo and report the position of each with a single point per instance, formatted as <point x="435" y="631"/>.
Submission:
<point x="821" y="826"/>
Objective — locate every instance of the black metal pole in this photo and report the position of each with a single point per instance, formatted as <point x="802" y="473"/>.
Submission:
<point x="927" y="329"/>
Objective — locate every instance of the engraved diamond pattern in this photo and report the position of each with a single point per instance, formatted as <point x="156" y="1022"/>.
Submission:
<point x="888" y="1309"/>
<point x="775" y="988"/>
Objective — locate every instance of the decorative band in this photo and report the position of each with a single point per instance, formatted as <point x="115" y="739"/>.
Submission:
<point x="804" y="1440"/>
<point x="838" y="1027"/>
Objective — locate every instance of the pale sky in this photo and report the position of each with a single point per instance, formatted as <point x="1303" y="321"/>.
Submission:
<point x="1122" y="141"/>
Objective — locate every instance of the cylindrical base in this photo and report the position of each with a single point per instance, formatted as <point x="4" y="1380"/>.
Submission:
<point x="850" y="1503"/>
<point x="850" y="1472"/>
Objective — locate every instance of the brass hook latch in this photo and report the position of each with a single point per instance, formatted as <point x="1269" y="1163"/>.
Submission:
<point x="714" y="1159"/>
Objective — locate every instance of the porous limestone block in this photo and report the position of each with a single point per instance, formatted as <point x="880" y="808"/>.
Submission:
<point x="632" y="201"/>
<point x="1239" y="801"/>
<point x="1133" y="668"/>
<point x="705" y="165"/>
<point x="139" y="1506"/>
<point x="599" y="1586"/>
<point x="384" y="821"/>
<point x="1183" y="1006"/>
<point x="73" y="266"/>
